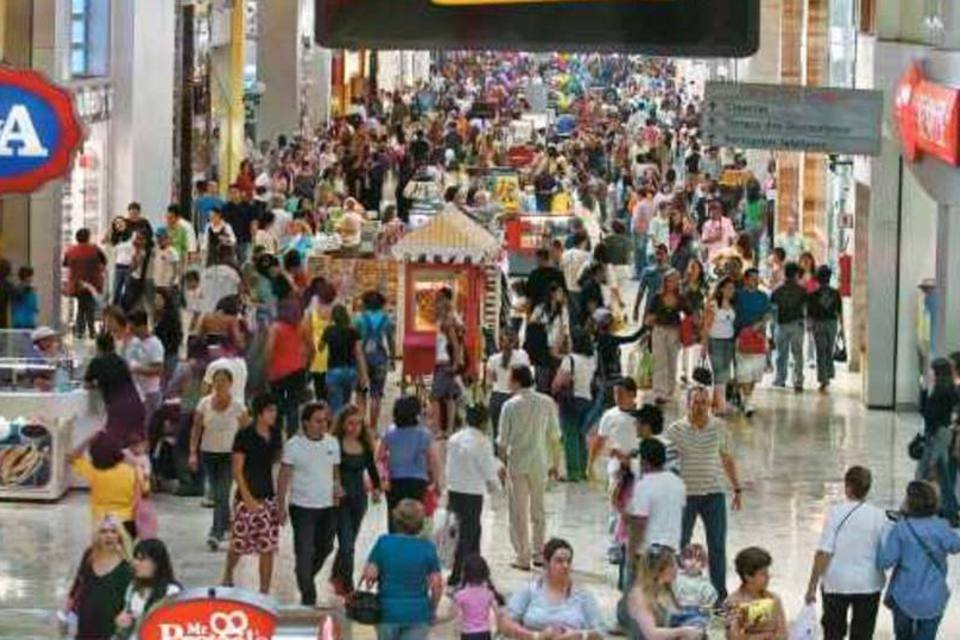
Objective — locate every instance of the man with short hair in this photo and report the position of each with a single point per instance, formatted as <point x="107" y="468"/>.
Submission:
<point x="241" y="215"/>
<point x="378" y="343"/>
<point x="182" y="236"/>
<point x="706" y="454"/>
<point x="790" y="303"/>
<point x="618" y="426"/>
<point x="145" y="355"/>
<point x="655" y="512"/>
<point x="846" y="561"/>
<point x="529" y="445"/>
<point x="651" y="280"/>
<point x="542" y="278"/>
<point x="85" y="262"/>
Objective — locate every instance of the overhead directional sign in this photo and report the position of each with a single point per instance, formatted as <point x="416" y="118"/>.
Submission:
<point x="728" y="28"/>
<point x="760" y="116"/>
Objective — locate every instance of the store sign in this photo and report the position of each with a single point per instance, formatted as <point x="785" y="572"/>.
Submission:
<point x="928" y="116"/>
<point x="696" y="28"/>
<point x="194" y="615"/>
<point x="39" y="130"/>
<point x="761" y="116"/>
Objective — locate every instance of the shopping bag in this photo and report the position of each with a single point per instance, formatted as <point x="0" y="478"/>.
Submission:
<point x="643" y="375"/>
<point x="805" y="626"/>
<point x="446" y="535"/>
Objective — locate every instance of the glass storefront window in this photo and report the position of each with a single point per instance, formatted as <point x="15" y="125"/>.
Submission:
<point x="89" y="38"/>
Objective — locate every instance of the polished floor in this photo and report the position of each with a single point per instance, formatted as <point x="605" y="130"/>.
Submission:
<point x="792" y="456"/>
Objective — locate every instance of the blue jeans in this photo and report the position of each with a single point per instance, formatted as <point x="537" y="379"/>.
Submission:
<point x="789" y="339"/>
<point x="712" y="508"/>
<point x="402" y="631"/>
<point x="340" y="384"/>
<point x="907" y="628"/>
<point x="639" y="254"/>
<point x="216" y="467"/>
<point x="824" y="341"/>
<point x="936" y="461"/>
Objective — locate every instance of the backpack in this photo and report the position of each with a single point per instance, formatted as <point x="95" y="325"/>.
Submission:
<point x="374" y="349"/>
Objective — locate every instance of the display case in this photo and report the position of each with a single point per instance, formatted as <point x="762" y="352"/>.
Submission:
<point x="41" y="402"/>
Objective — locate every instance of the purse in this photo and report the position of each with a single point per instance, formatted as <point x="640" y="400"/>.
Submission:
<point x="751" y="341"/>
<point x="363" y="607"/>
<point x="688" y="330"/>
<point x="917" y="447"/>
<point x="562" y="385"/>
<point x="840" y="346"/>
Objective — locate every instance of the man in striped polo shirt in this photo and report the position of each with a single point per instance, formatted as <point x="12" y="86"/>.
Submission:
<point x="704" y="447"/>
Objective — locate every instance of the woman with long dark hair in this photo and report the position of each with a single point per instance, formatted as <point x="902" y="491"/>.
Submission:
<point x="346" y="366"/>
<point x="498" y="373"/>
<point x="356" y="459"/>
<point x="168" y="329"/>
<point x="719" y="332"/>
<point x="938" y="402"/>
<point x="152" y="581"/>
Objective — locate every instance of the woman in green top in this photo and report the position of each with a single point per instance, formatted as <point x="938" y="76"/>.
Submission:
<point x="754" y="213"/>
<point x="99" y="590"/>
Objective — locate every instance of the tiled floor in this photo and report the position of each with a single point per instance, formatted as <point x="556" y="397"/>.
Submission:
<point x="792" y="457"/>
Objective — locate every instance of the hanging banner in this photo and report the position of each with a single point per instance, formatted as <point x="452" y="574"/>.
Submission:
<point x="39" y="130"/>
<point x="696" y="28"/>
<point x="928" y="117"/>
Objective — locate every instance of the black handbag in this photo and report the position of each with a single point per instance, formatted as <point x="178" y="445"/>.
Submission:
<point x="363" y="607"/>
<point x="840" y="346"/>
<point x="916" y="447"/>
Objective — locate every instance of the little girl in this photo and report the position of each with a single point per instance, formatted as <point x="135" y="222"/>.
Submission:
<point x="476" y="599"/>
<point x="692" y="588"/>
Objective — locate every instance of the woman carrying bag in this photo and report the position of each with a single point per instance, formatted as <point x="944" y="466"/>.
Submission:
<point x="916" y="548"/>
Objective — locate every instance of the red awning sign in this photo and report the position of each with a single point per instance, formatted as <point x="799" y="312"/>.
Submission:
<point x="928" y="116"/>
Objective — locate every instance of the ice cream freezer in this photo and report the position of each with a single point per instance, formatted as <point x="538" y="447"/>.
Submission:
<point x="37" y="433"/>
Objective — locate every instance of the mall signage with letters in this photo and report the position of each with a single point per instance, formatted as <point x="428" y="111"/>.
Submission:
<point x="39" y="130"/>
<point x="727" y="28"/>
<point x="928" y="116"/>
<point x="210" y="614"/>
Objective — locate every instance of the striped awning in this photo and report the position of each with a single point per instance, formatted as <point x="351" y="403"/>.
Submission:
<point x="451" y="236"/>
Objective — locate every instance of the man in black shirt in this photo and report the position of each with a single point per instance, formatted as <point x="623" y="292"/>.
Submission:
<point x="241" y="216"/>
<point x="255" y="523"/>
<point x="542" y="277"/>
<point x="790" y="301"/>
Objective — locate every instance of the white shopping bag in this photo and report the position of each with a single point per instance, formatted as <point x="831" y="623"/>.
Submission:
<point x="805" y="626"/>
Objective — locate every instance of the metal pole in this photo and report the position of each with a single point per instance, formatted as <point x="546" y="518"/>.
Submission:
<point x="186" y="110"/>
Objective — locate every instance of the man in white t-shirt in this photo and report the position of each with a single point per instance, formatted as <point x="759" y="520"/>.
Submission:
<point x="655" y="512"/>
<point x="144" y="354"/>
<point x="846" y="561"/>
<point x="310" y="472"/>
<point x="618" y="426"/>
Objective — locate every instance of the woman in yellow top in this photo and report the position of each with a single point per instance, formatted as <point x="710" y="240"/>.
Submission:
<point x="114" y="483"/>
<point x="320" y="295"/>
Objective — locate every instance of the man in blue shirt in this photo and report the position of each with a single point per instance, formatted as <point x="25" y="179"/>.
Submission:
<point x="207" y="201"/>
<point x="378" y="344"/>
<point x="650" y="280"/>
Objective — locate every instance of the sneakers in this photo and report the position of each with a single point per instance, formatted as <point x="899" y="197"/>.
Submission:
<point x="213" y="544"/>
<point x="798" y="389"/>
<point x="207" y="502"/>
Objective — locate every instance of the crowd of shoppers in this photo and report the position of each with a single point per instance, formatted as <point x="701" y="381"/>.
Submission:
<point x="234" y="295"/>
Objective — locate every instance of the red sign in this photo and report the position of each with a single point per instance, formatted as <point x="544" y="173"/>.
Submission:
<point x="928" y="115"/>
<point x="520" y="156"/>
<point x="194" y="616"/>
<point x="39" y="130"/>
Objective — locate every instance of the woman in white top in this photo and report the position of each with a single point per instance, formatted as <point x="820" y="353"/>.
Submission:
<point x="216" y="421"/>
<point x="572" y="389"/>
<point x="554" y="316"/>
<point x="152" y="581"/>
<point x="718" y="335"/>
<point x="498" y="373"/>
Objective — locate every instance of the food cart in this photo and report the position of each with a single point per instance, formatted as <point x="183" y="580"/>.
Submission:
<point x="526" y="232"/>
<point x="41" y="405"/>
<point x="452" y="250"/>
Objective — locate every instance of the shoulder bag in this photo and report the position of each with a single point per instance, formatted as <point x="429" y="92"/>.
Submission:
<point x="888" y="600"/>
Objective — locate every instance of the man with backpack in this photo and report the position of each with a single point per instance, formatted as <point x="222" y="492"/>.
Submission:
<point x="377" y="341"/>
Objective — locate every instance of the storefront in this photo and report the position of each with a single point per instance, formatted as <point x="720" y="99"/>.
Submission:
<point x="912" y="254"/>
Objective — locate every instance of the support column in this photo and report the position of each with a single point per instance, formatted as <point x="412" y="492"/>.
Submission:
<point x="228" y="90"/>
<point x="814" y="171"/>
<point x="278" y="65"/>
<point x="144" y="36"/>
<point x="947" y="339"/>
<point x="791" y="73"/>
